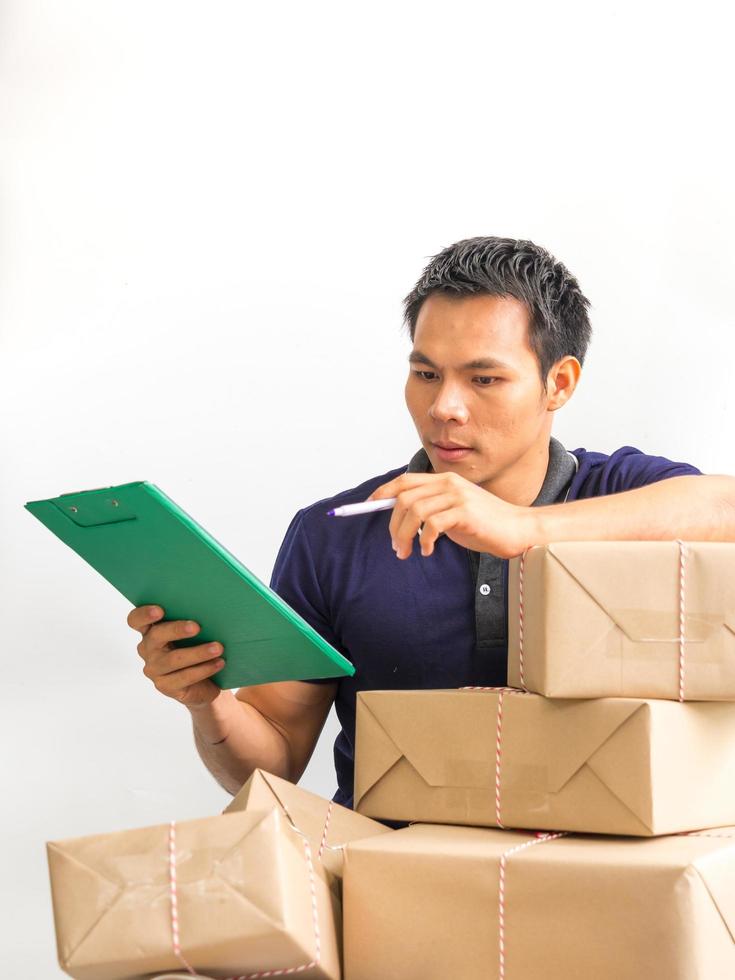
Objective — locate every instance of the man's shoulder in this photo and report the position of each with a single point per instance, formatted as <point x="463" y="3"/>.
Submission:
<point x="626" y="468"/>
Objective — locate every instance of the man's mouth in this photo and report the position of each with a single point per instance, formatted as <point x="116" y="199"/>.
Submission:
<point x="449" y="452"/>
<point x="450" y="445"/>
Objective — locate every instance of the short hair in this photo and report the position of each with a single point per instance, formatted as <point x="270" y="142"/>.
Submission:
<point x="559" y="324"/>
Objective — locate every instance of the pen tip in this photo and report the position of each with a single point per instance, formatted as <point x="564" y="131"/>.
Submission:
<point x="330" y="513"/>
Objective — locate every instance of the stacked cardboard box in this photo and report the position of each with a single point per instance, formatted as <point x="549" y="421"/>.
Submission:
<point x="624" y="619"/>
<point x="578" y="824"/>
<point x="254" y="891"/>
<point x="439" y="901"/>
<point x="622" y="723"/>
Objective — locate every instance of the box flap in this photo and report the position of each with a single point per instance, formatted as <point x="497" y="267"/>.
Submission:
<point x="255" y="789"/>
<point x="205" y="867"/>
<point x="261" y="892"/>
<point x="309" y="810"/>
<point x="644" y="605"/>
<point x="449" y="736"/>
<point x="622" y="762"/>
<point x="562" y="734"/>
<point x="717" y="871"/>
<point x="443" y="734"/>
<point x="328" y="825"/>
<point x="78" y="887"/>
<point x="384" y="753"/>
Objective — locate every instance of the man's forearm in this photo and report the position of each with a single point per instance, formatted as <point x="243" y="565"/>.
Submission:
<point x="233" y="739"/>
<point x="694" y="508"/>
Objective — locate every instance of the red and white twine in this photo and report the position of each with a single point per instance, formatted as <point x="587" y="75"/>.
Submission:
<point x="285" y="971"/>
<point x="540" y="838"/>
<point x="174" y="902"/>
<point x="501" y="692"/>
<point x="682" y="619"/>
<point x="323" y="842"/>
<point x="498" y="757"/>
<point x="520" y="618"/>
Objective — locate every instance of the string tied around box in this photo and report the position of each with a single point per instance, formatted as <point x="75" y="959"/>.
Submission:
<point x="285" y="971"/>
<point x="681" y="638"/>
<point x="541" y="837"/>
<point x="501" y="692"/>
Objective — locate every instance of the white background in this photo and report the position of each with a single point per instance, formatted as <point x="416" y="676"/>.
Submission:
<point x="210" y="215"/>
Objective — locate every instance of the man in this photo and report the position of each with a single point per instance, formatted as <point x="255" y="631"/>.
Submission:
<point x="499" y="331"/>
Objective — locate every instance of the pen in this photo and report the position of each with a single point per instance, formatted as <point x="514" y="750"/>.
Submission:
<point x="366" y="507"/>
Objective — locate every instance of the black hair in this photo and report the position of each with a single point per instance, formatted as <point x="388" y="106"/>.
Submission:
<point x="559" y="324"/>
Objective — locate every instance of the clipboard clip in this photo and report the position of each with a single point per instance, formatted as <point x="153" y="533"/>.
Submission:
<point x="88" y="511"/>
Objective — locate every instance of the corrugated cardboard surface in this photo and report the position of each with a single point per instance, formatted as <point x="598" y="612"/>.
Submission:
<point x="423" y="904"/>
<point x="613" y="765"/>
<point x="601" y="619"/>
<point x="244" y="900"/>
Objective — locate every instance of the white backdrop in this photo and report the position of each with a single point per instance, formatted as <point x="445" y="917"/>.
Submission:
<point x="210" y="215"/>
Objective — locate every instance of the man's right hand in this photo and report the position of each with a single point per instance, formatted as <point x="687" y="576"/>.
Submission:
<point x="181" y="673"/>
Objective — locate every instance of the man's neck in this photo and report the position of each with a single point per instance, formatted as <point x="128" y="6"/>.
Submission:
<point x="522" y="483"/>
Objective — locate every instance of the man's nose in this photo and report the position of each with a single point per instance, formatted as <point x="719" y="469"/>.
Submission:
<point x="449" y="405"/>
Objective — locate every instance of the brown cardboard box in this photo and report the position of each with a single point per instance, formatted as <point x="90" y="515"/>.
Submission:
<point x="250" y="897"/>
<point x="602" y="619"/>
<point x="513" y="759"/>
<point x="424" y="903"/>
<point x="328" y="825"/>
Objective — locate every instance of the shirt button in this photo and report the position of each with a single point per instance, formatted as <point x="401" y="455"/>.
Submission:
<point x="485" y="588"/>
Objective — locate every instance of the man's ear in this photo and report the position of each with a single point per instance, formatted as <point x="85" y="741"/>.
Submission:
<point x="561" y="381"/>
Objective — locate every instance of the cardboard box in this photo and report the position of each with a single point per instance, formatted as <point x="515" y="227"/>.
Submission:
<point x="424" y="903"/>
<point x="328" y="825"/>
<point x="250" y="897"/>
<point x="513" y="759"/>
<point x="603" y="619"/>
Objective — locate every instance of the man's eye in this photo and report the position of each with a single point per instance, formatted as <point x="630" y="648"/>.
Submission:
<point x="487" y="380"/>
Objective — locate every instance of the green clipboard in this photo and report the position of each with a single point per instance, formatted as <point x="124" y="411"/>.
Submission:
<point x="154" y="552"/>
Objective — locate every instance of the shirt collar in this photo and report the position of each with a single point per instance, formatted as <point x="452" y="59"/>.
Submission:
<point x="562" y="467"/>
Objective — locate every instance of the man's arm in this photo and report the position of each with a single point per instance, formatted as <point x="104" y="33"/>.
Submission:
<point x="269" y="726"/>
<point x="695" y="508"/>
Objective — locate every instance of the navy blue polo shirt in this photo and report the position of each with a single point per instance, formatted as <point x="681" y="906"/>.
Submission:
<point x="421" y="622"/>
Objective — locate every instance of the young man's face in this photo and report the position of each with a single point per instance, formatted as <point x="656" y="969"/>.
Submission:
<point x="499" y="409"/>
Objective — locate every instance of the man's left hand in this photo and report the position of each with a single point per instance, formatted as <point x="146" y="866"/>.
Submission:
<point x="446" y="503"/>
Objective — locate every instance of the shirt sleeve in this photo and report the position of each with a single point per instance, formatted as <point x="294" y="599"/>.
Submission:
<point x="626" y="469"/>
<point x="294" y="578"/>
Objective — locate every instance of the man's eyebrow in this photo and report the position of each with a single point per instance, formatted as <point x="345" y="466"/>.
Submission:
<point x="482" y="363"/>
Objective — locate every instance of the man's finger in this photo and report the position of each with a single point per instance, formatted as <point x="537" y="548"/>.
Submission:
<point x="408" y="500"/>
<point x="168" y="632"/>
<point x="436" y="525"/>
<point x="143" y="617"/>
<point x="182" y="657"/>
<point x="406" y="481"/>
<point x="420" y="511"/>
<point x="175" y="684"/>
